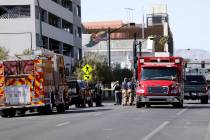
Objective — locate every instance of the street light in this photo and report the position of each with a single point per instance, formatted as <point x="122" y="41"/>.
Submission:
<point x="109" y="39"/>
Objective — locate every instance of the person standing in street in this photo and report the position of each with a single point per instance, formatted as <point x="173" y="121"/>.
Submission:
<point x="98" y="94"/>
<point x="124" y="92"/>
<point x="118" y="94"/>
<point x="131" y="91"/>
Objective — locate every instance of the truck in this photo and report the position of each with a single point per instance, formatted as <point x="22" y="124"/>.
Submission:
<point x="196" y="87"/>
<point x="160" y="81"/>
<point x="33" y="83"/>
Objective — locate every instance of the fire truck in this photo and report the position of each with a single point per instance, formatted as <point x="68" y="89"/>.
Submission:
<point x="33" y="82"/>
<point x="160" y="81"/>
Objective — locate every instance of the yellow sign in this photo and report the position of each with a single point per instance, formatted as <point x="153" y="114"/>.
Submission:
<point x="87" y="69"/>
<point x="87" y="77"/>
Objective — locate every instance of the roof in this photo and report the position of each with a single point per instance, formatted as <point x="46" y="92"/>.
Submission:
<point x="103" y="24"/>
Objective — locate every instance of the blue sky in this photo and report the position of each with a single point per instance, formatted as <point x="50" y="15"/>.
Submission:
<point x="189" y="19"/>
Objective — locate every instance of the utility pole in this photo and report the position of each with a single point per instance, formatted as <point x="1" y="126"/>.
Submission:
<point x="109" y="47"/>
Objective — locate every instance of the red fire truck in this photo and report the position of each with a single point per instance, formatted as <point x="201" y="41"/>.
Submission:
<point x="33" y="82"/>
<point x="161" y="81"/>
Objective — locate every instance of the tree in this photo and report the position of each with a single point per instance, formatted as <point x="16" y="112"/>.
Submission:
<point x="4" y="53"/>
<point x="101" y="71"/>
<point x="27" y="52"/>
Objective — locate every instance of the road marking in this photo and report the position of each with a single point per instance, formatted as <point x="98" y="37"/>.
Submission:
<point x="155" y="131"/>
<point x="181" y="112"/>
<point x="62" y="124"/>
<point x="98" y="114"/>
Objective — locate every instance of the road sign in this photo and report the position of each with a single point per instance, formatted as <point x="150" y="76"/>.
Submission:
<point x="87" y="69"/>
<point x="87" y="77"/>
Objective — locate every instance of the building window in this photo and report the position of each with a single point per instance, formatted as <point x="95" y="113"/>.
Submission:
<point x="54" y="20"/>
<point x="15" y="11"/>
<point x="67" y="26"/>
<point x="54" y="45"/>
<point x="79" y="32"/>
<point x="78" y="11"/>
<point x="68" y="50"/>
<point x="67" y="4"/>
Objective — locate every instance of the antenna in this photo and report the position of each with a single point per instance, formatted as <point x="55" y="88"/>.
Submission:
<point x="129" y="14"/>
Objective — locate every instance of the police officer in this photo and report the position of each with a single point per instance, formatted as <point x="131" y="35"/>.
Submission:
<point x="118" y="94"/>
<point x="124" y="92"/>
<point x="98" y="94"/>
<point x="131" y="91"/>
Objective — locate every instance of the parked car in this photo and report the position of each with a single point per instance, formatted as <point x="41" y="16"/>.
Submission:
<point x="79" y="93"/>
<point x="196" y="87"/>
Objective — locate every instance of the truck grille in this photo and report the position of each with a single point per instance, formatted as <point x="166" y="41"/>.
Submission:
<point x="157" y="90"/>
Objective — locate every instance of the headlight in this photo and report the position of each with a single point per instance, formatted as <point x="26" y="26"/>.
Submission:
<point x="174" y="91"/>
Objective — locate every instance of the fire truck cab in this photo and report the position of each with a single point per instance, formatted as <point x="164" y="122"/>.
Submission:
<point x="160" y="81"/>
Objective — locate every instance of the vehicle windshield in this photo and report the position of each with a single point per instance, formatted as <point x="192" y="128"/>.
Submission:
<point x="195" y="79"/>
<point x="159" y="74"/>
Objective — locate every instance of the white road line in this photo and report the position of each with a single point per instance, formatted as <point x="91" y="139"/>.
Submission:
<point x="62" y="124"/>
<point x="155" y="131"/>
<point x="181" y="112"/>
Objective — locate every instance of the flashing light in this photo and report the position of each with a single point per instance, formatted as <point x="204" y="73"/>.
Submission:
<point x="177" y="61"/>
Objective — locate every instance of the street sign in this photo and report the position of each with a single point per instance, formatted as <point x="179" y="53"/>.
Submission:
<point x="87" y="77"/>
<point x="87" y="69"/>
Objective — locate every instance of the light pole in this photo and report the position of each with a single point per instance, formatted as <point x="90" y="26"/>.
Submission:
<point x="109" y="39"/>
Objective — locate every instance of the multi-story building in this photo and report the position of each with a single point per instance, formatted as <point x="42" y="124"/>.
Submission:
<point x="157" y="24"/>
<point x="49" y="24"/>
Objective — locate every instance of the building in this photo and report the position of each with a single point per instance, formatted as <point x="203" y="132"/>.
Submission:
<point x="49" y="24"/>
<point x="156" y="25"/>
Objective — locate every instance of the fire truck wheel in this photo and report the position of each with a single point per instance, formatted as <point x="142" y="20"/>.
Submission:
<point x="12" y="113"/>
<point x="4" y="113"/>
<point x="21" y="112"/>
<point x="138" y="104"/>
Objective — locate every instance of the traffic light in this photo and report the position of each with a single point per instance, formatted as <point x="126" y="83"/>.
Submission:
<point x="202" y="64"/>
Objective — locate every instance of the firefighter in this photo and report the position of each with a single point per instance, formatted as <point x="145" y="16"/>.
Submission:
<point x="124" y="92"/>
<point x="131" y="91"/>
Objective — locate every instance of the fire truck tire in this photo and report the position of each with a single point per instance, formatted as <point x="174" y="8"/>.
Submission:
<point x="204" y="100"/>
<point x="12" y="113"/>
<point x="21" y="112"/>
<point x="4" y="113"/>
<point x="48" y="109"/>
<point x="138" y="104"/>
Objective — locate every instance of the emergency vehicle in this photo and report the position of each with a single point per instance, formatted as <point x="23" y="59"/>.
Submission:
<point x="160" y="81"/>
<point x="33" y="82"/>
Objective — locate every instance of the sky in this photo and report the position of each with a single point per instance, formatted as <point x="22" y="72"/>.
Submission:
<point x="189" y="19"/>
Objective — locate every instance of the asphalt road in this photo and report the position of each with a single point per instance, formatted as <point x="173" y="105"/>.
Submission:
<point x="113" y="123"/>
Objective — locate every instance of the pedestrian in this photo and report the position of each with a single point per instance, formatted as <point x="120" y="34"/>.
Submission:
<point x="98" y="93"/>
<point x="118" y="94"/>
<point x="131" y="91"/>
<point x="124" y="92"/>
